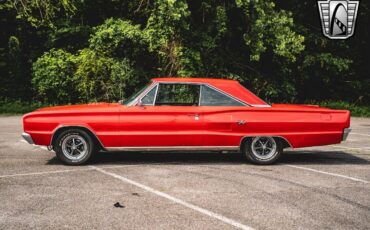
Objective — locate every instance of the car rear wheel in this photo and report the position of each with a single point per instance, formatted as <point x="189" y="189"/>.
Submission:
<point x="74" y="147"/>
<point x="262" y="150"/>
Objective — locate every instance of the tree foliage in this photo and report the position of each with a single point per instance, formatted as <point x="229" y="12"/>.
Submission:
<point x="101" y="78"/>
<point x="45" y="12"/>
<point x="96" y="50"/>
<point x="53" y="77"/>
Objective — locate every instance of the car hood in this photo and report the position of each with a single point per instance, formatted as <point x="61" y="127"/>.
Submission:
<point x="79" y="108"/>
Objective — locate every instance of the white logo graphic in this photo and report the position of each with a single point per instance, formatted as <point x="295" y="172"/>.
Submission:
<point x="338" y="18"/>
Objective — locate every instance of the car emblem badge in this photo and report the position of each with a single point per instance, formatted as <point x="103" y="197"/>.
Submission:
<point x="338" y="18"/>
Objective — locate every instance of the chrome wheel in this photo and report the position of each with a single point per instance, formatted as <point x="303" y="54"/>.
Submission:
<point x="264" y="147"/>
<point x="74" y="147"/>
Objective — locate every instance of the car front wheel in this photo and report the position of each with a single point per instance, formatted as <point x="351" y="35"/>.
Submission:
<point x="74" y="147"/>
<point x="262" y="150"/>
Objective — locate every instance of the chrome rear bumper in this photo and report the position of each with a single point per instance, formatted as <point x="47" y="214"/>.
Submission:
<point x="28" y="138"/>
<point x="345" y="134"/>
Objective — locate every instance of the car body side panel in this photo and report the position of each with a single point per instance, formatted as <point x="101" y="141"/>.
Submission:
<point x="121" y="126"/>
<point x="299" y="128"/>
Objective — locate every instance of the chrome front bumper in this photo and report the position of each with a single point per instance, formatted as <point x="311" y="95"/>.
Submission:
<point x="345" y="134"/>
<point x="28" y="138"/>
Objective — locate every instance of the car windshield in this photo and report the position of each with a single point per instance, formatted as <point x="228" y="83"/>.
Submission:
<point x="134" y="96"/>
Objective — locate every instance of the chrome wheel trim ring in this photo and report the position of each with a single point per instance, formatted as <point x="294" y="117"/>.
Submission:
<point x="74" y="147"/>
<point x="264" y="147"/>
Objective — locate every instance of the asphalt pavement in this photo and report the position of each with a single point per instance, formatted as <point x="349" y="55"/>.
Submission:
<point x="311" y="188"/>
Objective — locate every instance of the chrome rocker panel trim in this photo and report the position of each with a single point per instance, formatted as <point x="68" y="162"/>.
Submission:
<point x="175" y="148"/>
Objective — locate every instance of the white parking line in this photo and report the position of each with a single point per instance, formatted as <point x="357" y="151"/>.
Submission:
<point x="360" y="134"/>
<point x="328" y="173"/>
<point x="58" y="171"/>
<point x="41" y="173"/>
<point x="176" y="200"/>
<point x="350" y="148"/>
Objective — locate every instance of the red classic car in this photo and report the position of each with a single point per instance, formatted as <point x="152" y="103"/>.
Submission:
<point x="185" y="114"/>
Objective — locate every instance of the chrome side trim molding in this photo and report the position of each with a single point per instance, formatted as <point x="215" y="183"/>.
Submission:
<point x="346" y="133"/>
<point x="28" y="138"/>
<point x="174" y="148"/>
<point x="261" y="106"/>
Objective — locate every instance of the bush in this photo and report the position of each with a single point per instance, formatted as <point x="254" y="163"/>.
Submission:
<point x="18" y="107"/>
<point x="53" y="77"/>
<point x="103" y="72"/>
<point x="356" y="110"/>
<point x="101" y="78"/>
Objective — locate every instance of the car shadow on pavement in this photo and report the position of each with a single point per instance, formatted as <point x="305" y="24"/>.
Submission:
<point x="324" y="157"/>
<point x="132" y="158"/>
<point x="186" y="158"/>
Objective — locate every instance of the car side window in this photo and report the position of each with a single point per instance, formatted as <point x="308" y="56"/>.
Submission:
<point x="148" y="99"/>
<point x="178" y="94"/>
<point x="211" y="97"/>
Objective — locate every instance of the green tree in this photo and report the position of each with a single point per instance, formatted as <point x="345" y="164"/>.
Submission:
<point x="273" y="47"/>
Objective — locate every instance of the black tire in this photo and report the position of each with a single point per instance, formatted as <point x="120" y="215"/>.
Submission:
<point x="254" y="158"/>
<point x="87" y="147"/>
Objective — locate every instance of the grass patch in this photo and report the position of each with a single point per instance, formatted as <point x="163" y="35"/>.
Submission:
<point x="356" y="110"/>
<point x="18" y="107"/>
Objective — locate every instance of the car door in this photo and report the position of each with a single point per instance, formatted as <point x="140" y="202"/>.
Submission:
<point x="220" y="116"/>
<point x="167" y="116"/>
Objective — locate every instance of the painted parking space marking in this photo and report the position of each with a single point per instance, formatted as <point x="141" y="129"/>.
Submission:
<point x="351" y="148"/>
<point x="176" y="200"/>
<point x="331" y="174"/>
<point x="42" y="173"/>
<point x="360" y="134"/>
<point x="58" y="171"/>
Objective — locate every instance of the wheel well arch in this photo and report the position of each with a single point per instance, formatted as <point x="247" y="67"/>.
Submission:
<point x="285" y="143"/>
<point x="61" y="129"/>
